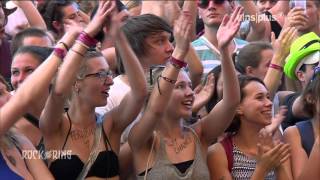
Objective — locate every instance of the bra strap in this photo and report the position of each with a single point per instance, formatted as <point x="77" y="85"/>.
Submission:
<point x="93" y="154"/>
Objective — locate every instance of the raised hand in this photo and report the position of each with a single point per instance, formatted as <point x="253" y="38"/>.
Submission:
<point x="229" y="27"/>
<point x="284" y="41"/>
<point x="99" y="20"/>
<point x="203" y="93"/>
<point x="73" y="27"/>
<point x="296" y="18"/>
<point x="182" y="33"/>
<point x="276" y="121"/>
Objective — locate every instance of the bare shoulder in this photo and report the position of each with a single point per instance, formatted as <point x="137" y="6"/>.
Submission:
<point x="218" y="163"/>
<point x="291" y="135"/>
<point x="217" y="155"/>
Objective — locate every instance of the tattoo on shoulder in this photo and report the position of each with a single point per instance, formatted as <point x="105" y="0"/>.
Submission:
<point x="221" y="178"/>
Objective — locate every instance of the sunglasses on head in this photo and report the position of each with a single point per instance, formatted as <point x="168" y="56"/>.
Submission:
<point x="205" y="3"/>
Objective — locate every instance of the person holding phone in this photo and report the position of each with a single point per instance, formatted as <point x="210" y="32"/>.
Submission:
<point x="305" y="19"/>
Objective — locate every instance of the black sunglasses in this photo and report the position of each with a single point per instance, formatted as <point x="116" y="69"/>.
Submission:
<point x="205" y="3"/>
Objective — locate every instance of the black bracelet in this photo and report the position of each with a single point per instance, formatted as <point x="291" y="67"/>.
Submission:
<point x="77" y="52"/>
<point x="64" y="45"/>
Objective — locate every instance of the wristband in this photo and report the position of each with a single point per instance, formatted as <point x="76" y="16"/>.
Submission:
<point x="177" y="63"/>
<point x="61" y="53"/>
<point x="87" y="39"/>
<point x="277" y="67"/>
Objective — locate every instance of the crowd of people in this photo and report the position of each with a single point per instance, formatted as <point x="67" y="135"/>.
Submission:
<point x="203" y="89"/>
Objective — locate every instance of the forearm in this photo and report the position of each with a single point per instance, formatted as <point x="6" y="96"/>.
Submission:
<point x="283" y="171"/>
<point x="273" y="76"/>
<point x="36" y="165"/>
<point x="195" y="67"/>
<point x="251" y="11"/>
<point x="132" y="67"/>
<point x="160" y="96"/>
<point x="69" y="69"/>
<point x="258" y="174"/>
<point x="281" y="8"/>
<point x="191" y="6"/>
<point x="27" y="94"/>
<point x="32" y="14"/>
<point x="231" y="90"/>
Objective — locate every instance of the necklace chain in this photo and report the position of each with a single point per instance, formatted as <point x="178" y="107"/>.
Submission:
<point x="179" y="147"/>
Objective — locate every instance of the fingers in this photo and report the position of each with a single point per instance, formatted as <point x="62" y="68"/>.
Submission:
<point x="225" y="20"/>
<point x="183" y="31"/>
<point x="198" y="89"/>
<point x="236" y="16"/>
<point x="283" y="154"/>
<point x="273" y="38"/>
<point x="210" y="80"/>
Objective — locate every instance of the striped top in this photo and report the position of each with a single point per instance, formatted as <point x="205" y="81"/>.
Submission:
<point x="209" y="54"/>
<point x="244" y="166"/>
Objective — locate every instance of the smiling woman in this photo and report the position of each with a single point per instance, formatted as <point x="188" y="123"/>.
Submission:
<point x="244" y="153"/>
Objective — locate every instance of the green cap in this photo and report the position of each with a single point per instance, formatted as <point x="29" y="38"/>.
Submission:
<point x="304" y="50"/>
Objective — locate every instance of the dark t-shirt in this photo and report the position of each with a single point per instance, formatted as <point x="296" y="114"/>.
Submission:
<point x="5" y="59"/>
<point x="290" y="119"/>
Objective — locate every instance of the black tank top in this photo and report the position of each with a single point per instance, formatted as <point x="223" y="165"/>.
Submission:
<point x="105" y="166"/>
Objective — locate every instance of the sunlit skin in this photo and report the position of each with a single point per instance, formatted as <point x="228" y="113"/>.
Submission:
<point x="265" y="5"/>
<point x="257" y="98"/>
<point x="261" y="70"/>
<point x="182" y="98"/>
<point x="213" y="14"/>
<point x="72" y="12"/>
<point x="22" y="66"/>
<point x="37" y="41"/>
<point x="94" y="89"/>
<point x="313" y="14"/>
<point x="4" y="94"/>
<point x="159" y="48"/>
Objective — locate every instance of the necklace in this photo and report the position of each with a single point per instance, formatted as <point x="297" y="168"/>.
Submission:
<point x="179" y="147"/>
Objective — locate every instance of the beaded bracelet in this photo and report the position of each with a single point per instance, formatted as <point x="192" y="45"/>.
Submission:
<point x="61" y="53"/>
<point x="171" y="81"/>
<point x="277" y="67"/>
<point x="168" y="79"/>
<point x="87" y="39"/>
<point x="177" y="63"/>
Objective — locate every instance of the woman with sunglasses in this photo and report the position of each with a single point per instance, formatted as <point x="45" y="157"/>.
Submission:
<point x="162" y="147"/>
<point x="94" y="141"/>
<point x="302" y="137"/>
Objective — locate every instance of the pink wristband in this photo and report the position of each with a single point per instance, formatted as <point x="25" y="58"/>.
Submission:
<point x="61" y="53"/>
<point x="87" y="39"/>
<point x="275" y="66"/>
<point x="177" y="63"/>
